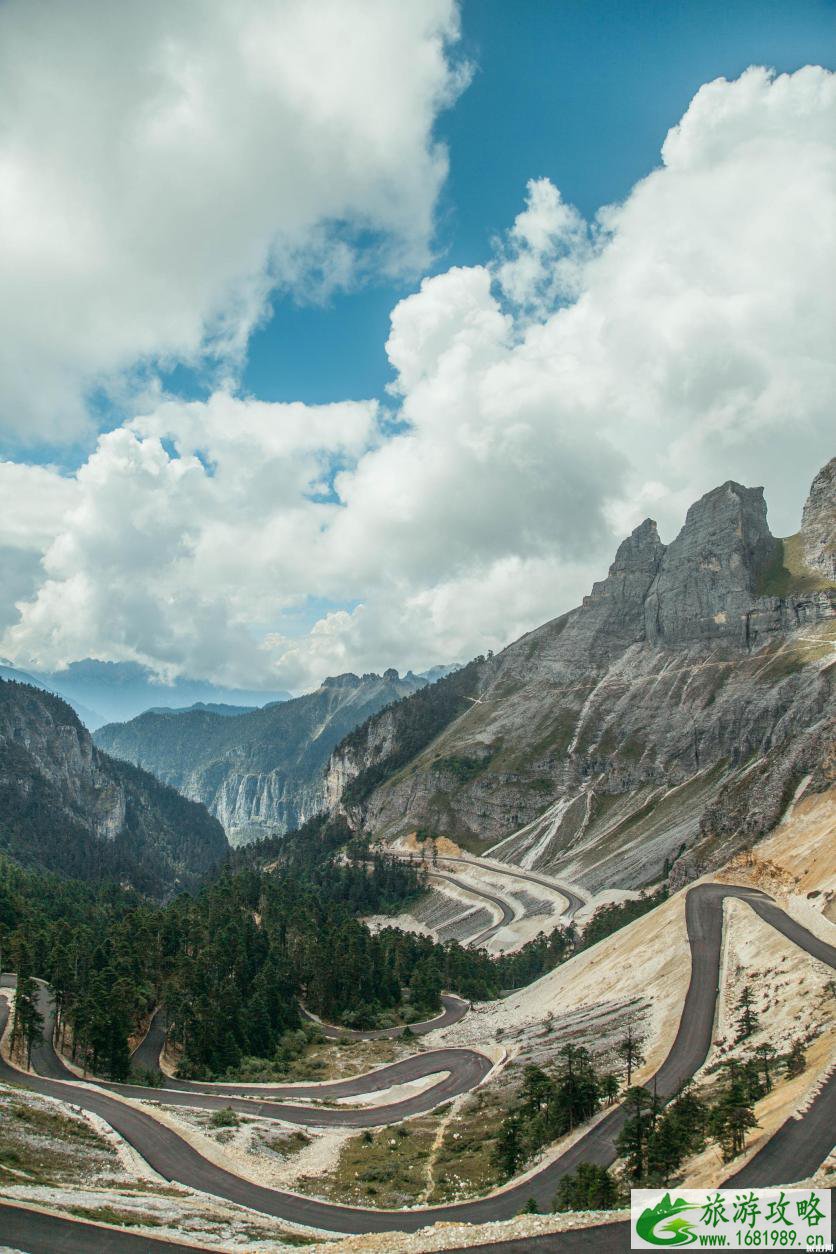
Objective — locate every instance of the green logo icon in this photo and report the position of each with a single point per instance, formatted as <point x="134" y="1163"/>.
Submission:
<point x="678" y="1228"/>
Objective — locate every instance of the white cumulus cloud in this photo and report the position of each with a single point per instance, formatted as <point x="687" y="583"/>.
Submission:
<point x="586" y="376"/>
<point x="164" y="166"/>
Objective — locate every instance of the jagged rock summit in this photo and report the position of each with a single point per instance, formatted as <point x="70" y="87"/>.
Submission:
<point x="665" y="722"/>
<point x="709" y="574"/>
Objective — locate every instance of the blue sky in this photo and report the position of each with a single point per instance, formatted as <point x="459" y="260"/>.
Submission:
<point x="581" y="91"/>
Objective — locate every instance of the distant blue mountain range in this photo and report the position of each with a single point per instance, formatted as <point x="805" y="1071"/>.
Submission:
<point x="108" y="692"/>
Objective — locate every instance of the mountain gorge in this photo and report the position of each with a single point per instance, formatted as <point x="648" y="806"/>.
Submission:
<point x="663" y="724"/>
<point x="263" y="772"/>
<point x="65" y="806"/>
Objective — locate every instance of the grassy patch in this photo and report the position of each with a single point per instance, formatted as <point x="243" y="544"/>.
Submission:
<point x="225" y="1118"/>
<point x="463" y="1165"/>
<point x="42" y="1146"/>
<point x="791" y="660"/>
<point x="119" y="1218"/>
<point x="463" y="768"/>
<point x="386" y="1168"/>
<point x="321" y="1059"/>
<point x="138" y="1187"/>
<point x="554" y="735"/>
<point x="788" y="573"/>
<point x="633" y="748"/>
<point x="287" y="1146"/>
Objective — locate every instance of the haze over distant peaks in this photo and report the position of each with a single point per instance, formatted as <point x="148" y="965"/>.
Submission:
<point x="103" y="692"/>
<point x="260" y="772"/>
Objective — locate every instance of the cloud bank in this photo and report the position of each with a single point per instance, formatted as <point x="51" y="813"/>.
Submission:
<point x="164" y="167"/>
<point x="587" y="375"/>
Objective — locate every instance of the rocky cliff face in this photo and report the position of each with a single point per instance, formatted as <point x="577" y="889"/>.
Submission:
<point x="260" y="773"/>
<point x="67" y="807"/>
<point x="665" y="722"/>
<point x="818" y="523"/>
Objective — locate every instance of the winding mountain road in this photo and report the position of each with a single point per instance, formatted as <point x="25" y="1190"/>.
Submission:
<point x="455" y="1008"/>
<point x="507" y="914"/>
<point x="459" y="1071"/>
<point x="147" y="1053"/>
<point x="574" y="902"/>
<point x="177" y="1160"/>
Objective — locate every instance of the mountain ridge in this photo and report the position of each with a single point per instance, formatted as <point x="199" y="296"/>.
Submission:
<point x="260" y="773"/>
<point x="663" y="723"/>
<point x="101" y="692"/>
<point x="66" y="806"/>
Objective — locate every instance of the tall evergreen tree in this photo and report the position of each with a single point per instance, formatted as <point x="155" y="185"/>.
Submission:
<point x="733" y="1116"/>
<point x="748" y="1020"/>
<point x="629" y="1048"/>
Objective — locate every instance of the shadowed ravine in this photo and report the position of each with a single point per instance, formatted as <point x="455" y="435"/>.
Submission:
<point x="797" y="1149"/>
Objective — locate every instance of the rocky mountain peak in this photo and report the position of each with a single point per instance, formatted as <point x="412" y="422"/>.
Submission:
<point x="346" y="680"/>
<point x="613" y="613"/>
<point x="667" y="720"/>
<point x="640" y="552"/>
<point x="818" y="523"/>
<point x="709" y="573"/>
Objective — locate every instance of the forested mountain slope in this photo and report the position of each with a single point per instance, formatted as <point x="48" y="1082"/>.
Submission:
<point x="260" y="773"/>
<point x="67" y="807"/>
<point x="662" y="724"/>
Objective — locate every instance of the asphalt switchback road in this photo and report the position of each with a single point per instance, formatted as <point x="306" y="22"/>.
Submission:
<point x="177" y="1160"/>
<point x="574" y="902"/>
<point x="454" y="1009"/>
<point x="507" y="914"/>
<point x="147" y="1053"/>
<point x="459" y="1071"/>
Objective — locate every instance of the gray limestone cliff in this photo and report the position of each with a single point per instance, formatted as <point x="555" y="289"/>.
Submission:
<point x="263" y="772"/>
<point x="818" y="523"/>
<point x="653" y="730"/>
<point x="708" y="577"/>
<point x="67" y="807"/>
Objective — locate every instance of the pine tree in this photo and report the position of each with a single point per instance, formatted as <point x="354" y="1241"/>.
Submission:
<point x="733" y="1116"/>
<point x="537" y="1091"/>
<point x="629" y="1048"/>
<point x="589" y="1187"/>
<point x="748" y="1021"/>
<point x="508" y="1151"/>
<point x="27" y="1028"/>
<point x="633" y="1138"/>
<point x="425" y="986"/>
<point x="795" y="1060"/>
<point x="577" y="1095"/>
<point x="766" y="1055"/>
<point x="609" y="1087"/>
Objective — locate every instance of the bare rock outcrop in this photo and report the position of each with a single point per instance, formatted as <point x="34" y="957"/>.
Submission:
<point x="708" y="576"/>
<point x="818" y="523"/>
